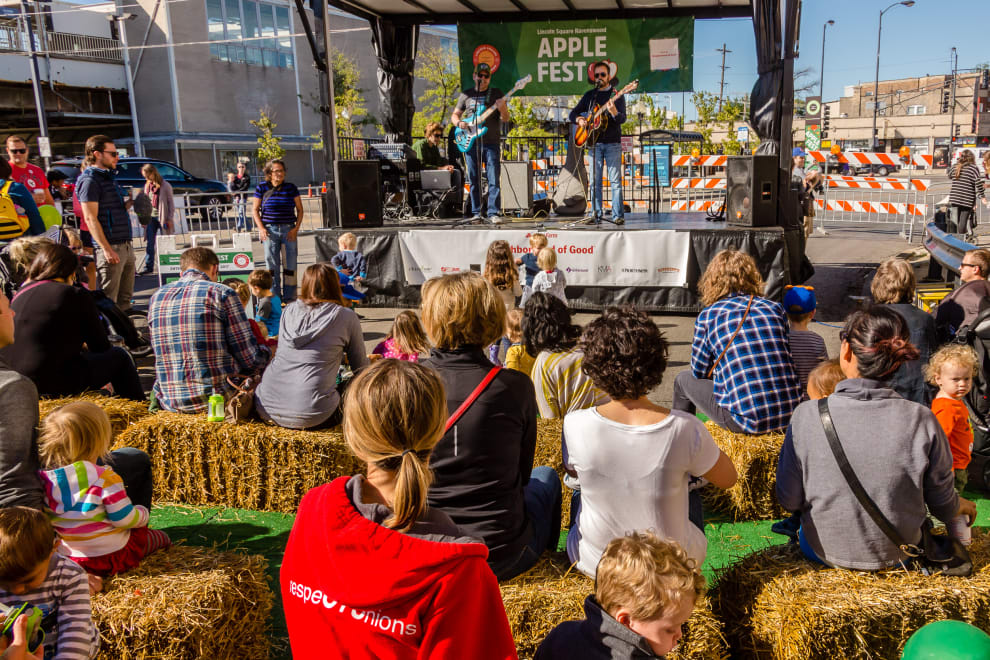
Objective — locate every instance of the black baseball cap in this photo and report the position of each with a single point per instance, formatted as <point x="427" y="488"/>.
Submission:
<point x="483" y="67"/>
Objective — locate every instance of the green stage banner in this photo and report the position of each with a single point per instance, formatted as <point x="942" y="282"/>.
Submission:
<point x="657" y="51"/>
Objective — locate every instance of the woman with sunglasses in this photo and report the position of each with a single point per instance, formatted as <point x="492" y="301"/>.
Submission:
<point x="896" y="448"/>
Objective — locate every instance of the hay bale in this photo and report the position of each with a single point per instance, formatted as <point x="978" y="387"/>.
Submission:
<point x="552" y="592"/>
<point x="548" y="433"/>
<point x="254" y="466"/>
<point x="778" y="606"/>
<point x="122" y="412"/>
<point x="754" y="496"/>
<point x="185" y="603"/>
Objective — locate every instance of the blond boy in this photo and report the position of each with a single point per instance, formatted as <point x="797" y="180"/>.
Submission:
<point x="536" y="243"/>
<point x="645" y="591"/>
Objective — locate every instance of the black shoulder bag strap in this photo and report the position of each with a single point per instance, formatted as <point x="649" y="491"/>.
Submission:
<point x="857" y="488"/>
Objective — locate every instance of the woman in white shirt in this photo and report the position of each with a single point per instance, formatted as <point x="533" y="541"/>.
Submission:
<point x="633" y="458"/>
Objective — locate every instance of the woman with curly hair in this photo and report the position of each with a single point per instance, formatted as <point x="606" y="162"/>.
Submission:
<point x="742" y="375"/>
<point x="550" y="337"/>
<point x="632" y="457"/>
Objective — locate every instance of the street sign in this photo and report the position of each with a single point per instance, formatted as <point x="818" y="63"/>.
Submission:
<point x="813" y="107"/>
<point x="237" y="259"/>
<point x="44" y="147"/>
<point x="742" y="134"/>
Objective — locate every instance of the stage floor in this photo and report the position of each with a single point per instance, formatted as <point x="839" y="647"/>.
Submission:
<point x="679" y="220"/>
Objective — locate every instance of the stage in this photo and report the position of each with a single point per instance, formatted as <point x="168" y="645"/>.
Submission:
<point x="653" y="261"/>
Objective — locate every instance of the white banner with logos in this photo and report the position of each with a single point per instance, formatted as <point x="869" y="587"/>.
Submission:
<point x="587" y="258"/>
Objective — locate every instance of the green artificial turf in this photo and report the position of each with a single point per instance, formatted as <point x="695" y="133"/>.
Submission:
<point x="266" y="534"/>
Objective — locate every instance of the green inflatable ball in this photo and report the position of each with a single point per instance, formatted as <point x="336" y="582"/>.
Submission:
<point x="50" y="215"/>
<point x="948" y="640"/>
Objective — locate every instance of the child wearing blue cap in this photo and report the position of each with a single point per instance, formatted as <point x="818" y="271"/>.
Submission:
<point x="807" y="346"/>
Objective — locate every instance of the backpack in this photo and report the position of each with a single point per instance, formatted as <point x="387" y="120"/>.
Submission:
<point x="13" y="219"/>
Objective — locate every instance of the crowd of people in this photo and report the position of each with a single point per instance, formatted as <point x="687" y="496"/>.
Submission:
<point x="408" y="555"/>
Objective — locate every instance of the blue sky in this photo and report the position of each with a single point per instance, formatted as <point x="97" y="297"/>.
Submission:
<point x="916" y="41"/>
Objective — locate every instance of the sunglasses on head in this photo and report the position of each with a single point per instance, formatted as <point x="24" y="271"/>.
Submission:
<point x="18" y="151"/>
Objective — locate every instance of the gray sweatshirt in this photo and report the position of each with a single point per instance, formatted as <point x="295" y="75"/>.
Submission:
<point x="299" y="388"/>
<point x="900" y="454"/>
<point x="19" y="483"/>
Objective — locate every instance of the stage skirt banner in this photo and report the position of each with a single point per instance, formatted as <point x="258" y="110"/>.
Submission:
<point x="657" y="258"/>
<point x="659" y="52"/>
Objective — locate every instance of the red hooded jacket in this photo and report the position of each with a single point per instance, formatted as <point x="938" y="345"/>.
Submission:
<point x="352" y="588"/>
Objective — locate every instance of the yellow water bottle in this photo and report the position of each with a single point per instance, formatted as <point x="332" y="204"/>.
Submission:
<point x="216" y="412"/>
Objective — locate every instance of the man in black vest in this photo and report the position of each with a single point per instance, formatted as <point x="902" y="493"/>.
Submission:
<point x="606" y="151"/>
<point x="486" y="147"/>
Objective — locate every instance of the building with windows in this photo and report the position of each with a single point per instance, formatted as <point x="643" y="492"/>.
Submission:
<point x="81" y="73"/>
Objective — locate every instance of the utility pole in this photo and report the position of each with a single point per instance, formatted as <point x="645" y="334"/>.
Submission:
<point x="138" y="146"/>
<point x="721" y="84"/>
<point x="952" y="103"/>
<point x="39" y="97"/>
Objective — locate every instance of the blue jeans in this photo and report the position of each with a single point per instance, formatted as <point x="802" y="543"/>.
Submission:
<point x="490" y="154"/>
<point x="278" y="238"/>
<point x="150" y="234"/>
<point x="608" y="158"/>
<point x="240" y="220"/>
<point x="542" y="495"/>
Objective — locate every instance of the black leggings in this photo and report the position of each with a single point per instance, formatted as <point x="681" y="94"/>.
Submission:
<point x="117" y="368"/>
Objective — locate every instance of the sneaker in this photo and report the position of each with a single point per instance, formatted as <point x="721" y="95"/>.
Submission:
<point x="619" y="221"/>
<point x="147" y="271"/>
<point x="495" y="220"/>
<point x="477" y="219"/>
<point x="592" y="220"/>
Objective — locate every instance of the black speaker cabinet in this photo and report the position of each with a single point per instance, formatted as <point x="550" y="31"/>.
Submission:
<point x="360" y="193"/>
<point x="751" y="191"/>
<point x="517" y="185"/>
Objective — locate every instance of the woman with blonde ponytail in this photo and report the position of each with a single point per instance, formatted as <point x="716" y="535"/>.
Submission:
<point x="370" y="571"/>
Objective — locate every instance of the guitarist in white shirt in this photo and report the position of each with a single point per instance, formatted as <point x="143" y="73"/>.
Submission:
<point x="487" y="147"/>
<point x="607" y="146"/>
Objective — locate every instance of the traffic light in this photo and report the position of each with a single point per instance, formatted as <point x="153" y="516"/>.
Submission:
<point x="958" y="129"/>
<point x="826" y="116"/>
<point x="945" y="101"/>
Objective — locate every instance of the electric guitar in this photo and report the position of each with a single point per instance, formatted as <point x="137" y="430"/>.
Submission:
<point x="465" y="137"/>
<point x="597" y="118"/>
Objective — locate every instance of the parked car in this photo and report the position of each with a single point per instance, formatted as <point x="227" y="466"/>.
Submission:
<point x="875" y="169"/>
<point x="212" y="196"/>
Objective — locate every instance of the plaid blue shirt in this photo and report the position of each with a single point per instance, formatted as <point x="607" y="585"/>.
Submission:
<point x="755" y="380"/>
<point x="200" y="335"/>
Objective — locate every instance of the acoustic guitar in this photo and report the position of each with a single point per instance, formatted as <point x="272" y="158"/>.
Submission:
<point x="597" y="118"/>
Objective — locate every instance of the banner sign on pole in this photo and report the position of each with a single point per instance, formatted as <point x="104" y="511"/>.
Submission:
<point x="658" y="154"/>
<point x="657" y="51"/>
<point x="235" y="260"/>
<point x="637" y="258"/>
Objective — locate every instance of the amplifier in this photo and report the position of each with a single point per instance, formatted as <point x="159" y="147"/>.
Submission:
<point x="394" y="156"/>
<point x="516" y="185"/>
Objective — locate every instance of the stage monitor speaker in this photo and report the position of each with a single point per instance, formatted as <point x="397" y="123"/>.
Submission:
<point x="360" y="193"/>
<point x="517" y="185"/>
<point x="751" y="190"/>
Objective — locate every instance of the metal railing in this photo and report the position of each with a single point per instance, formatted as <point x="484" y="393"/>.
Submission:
<point x="62" y="44"/>
<point x="103" y="49"/>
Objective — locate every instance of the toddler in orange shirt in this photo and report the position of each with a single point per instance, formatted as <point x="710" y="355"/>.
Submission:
<point x="952" y="369"/>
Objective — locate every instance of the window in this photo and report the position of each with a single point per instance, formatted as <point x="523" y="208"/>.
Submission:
<point x="170" y="173"/>
<point x="265" y="29"/>
<point x="916" y="109"/>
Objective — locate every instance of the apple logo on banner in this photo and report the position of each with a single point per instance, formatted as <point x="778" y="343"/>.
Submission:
<point x="613" y="68"/>
<point x="488" y="54"/>
<point x="242" y="261"/>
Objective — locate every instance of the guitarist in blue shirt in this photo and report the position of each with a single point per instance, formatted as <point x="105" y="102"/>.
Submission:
<point x="471" y="103"/>
<point x="606" y="142"/>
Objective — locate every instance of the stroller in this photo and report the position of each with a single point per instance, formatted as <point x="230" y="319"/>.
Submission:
<point x="977" y="336"/>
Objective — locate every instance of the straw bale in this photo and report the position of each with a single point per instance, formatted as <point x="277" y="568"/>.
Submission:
<point x="185" y="603"/>
<point x="754" y="495"/>
<point x="553" y="592"/>
<point x="548" y="452"/>
<point x="254" y="466"/>
<point x="122" y="412"/>
<point x="778" y="606"/>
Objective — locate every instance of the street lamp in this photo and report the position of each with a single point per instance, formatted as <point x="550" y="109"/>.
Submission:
<point x="821" y="77"/>
<point x="876" y="81"/>
<point x="138" y="147"/>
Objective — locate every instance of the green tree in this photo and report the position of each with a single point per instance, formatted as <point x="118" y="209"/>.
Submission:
<point x="351" y="114"/>
<point x="528" y="120"/>
<point x="439" y="68"/>
<point x="269" y="144"/>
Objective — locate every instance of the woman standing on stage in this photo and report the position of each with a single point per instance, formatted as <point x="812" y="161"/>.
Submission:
<point x="742" y="375"/>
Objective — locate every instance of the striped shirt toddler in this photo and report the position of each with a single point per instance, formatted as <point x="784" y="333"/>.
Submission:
<point x="89" y="508"/>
